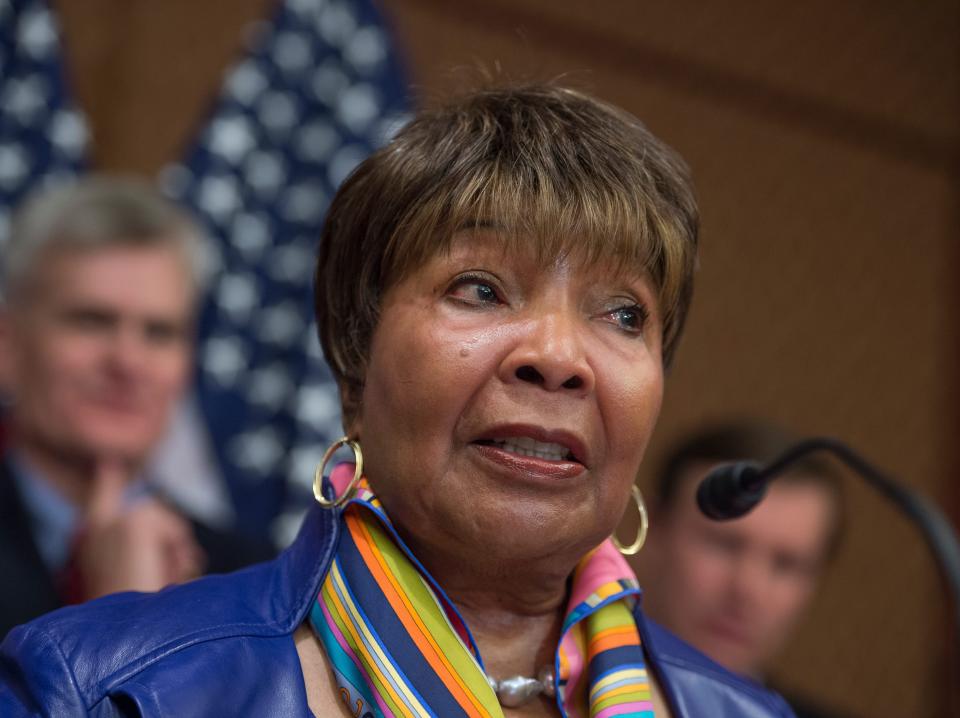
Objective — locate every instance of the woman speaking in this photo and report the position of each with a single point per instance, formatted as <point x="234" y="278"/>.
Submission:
<point x="498" y="292"/>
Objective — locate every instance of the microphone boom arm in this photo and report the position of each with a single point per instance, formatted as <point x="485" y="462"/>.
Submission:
<point x="934" y="526"/>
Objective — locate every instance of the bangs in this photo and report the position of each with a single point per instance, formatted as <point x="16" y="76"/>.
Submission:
<point x="556" y="207"/>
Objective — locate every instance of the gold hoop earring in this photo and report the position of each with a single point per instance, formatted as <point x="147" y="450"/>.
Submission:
<point x="351" y="487"/>
<point x="641" y="532"/>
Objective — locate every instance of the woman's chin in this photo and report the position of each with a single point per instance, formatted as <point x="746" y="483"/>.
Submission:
<point x="502" y="510"/>
<point x="518" y="535"/>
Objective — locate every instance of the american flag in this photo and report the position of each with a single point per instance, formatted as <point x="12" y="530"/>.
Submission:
<point x="318" y="88"/>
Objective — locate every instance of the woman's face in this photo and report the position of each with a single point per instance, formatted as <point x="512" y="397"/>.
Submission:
<point x="508" y="402"/>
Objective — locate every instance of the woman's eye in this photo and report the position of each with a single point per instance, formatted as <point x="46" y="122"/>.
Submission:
<point x="474" y="290"/>
<point x="630" y="318"/>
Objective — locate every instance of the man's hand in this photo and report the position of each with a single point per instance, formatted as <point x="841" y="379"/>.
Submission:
<point x="142" y="547"/>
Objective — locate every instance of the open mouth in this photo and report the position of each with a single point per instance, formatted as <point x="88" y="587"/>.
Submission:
<point x="525" y="446"/>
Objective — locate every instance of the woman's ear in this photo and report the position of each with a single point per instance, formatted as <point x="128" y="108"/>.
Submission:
<point x="352" y="429"/>
<point x="351" y="395"/>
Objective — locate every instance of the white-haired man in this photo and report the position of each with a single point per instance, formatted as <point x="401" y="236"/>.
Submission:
<point x="96" y="336"/>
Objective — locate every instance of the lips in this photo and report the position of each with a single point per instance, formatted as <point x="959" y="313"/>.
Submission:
<point x="526" y="446"/>
<point x="729" y="631"/>
<point x="536" y="443"/>
<point x="118" y="403"/>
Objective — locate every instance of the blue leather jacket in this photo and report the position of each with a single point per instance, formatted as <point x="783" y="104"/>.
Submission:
<point x="223" y="646"/>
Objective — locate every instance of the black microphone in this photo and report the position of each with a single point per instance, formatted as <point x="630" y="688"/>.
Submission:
<point x="732" y="490"/>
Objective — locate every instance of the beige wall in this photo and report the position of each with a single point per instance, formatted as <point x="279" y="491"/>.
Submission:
<point x="825" y="143"/>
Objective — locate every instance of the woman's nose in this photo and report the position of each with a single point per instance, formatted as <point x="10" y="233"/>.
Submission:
<point x="550" y="353"/>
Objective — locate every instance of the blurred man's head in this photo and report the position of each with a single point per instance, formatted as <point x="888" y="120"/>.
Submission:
<point x="735" y="589"/>
<point x="99" y="288"/>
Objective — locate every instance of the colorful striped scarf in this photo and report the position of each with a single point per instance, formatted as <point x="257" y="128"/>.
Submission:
<point x="398" y="646"/>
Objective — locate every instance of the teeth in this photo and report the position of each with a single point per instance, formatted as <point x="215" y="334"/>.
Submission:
<point x="525" y="446"/>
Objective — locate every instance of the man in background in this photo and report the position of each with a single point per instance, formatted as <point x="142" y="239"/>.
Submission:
<point x="96" y="333"/>
<point x="736" y="589"/>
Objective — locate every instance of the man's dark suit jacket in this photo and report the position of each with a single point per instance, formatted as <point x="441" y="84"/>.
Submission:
<point x="27" y="589"/>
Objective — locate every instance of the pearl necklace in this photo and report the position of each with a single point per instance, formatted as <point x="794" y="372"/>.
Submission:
<point x="515" y="691"/>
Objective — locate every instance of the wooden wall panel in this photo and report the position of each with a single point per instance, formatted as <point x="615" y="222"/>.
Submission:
<point x="147" y="72"/>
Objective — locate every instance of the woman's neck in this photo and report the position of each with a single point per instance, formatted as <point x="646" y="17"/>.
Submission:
<point x="515" y="613"/>
<point x="513" y="643"/>
<point x="516" y="637"/>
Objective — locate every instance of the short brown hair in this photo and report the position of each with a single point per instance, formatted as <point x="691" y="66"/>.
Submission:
<point x="552" y="165"/>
